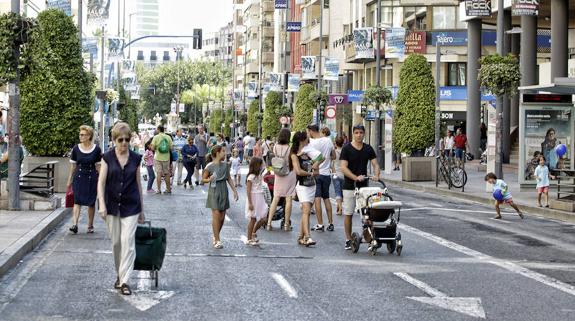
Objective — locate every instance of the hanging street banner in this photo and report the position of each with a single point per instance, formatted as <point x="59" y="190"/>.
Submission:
<point x="90" y="45"/>
<point x="415" y="42"/>
<point x="293" y="83"/>
<point x="338" y="99"/>
<point x="355" y="96"/>
<point x="293" y="26"/>
<point x="98" y="12"/>
<point x="128" y="66"/>
<point x="308" y="67"/>
<point x="363" y="43"/>
<point x="252" y="89"/>
<point x="478" y="8"/>
<point x="266" y="89"/>
<point x="276" y="81"/>
<point x="281" y="4"/>
<point x="331" y="69"/>
<point x="525" y="7"/>
<point x="395" y="43"/>
<point x="115" y="49"/>
<point x="63" y="5"/>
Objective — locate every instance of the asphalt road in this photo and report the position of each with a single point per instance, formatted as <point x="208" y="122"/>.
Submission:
<point x="457" y="264"/>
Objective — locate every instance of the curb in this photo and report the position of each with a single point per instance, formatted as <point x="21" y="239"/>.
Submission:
<point x="538" y="211"/>
<point x="29" y="241"/>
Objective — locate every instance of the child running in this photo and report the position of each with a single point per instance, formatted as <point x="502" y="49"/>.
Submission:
<point x="542" y="175"/>
<point x="235" y="162"/>
<point x="256" y="207"/>
<point x="500" y="184"/>
<point x="149" y="161"/>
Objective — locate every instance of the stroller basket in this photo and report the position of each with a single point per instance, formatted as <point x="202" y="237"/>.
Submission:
<point x="379" y="215"/>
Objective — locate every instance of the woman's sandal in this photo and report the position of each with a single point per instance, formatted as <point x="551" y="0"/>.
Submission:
<point x="117" y="285"/>
<point x="90" y="230"/>
<point x="74" y="229"/>
<point x="125" y="289"/>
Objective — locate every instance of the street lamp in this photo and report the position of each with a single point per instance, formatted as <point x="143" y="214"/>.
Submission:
<point x="178" y="50"/>
<point x="130" y="31"/>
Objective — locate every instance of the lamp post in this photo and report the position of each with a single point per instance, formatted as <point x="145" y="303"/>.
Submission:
<point x="178" y="50"/>
<point x="130" y="31"/>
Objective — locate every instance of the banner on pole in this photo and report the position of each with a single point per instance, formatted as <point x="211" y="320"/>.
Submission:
<point x="293" y="26"/>
<point x="281" y="4"/>
<point x="395" y="43"/>
<point x="115" y="49"/>
<point x="308" y="67"/>
<point x="276" y="81"/>
<point x="98" y="12"/>
<point x="478" y="8"/>
<point x="363" y="42"/>
<point x="90" y="45"/>
<point x="525" y="8"/>
<point x="63" y="5"/>
<point x="293" y="82"/>
<point x="252" y="89"/>
<point x="331" y="69"/>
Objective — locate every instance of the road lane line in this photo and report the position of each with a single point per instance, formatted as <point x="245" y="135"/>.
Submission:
<point x="422" y="286"/>
<point x="284" y="284"/>
<point x="507" y="265"/>
<point x="227" y="218"/>
<point x="454" y="210"/>
<point x="436" y="205"/>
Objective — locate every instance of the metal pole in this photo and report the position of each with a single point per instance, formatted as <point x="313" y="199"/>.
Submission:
<point x="499" y="107"/>
<point x="437" y="97"/>
<point x="261" y="46"/>
<point x="319" y="82"/>
<point x="80" y="13"/>
<point x="14" y="131"/>
<point x="130" y="33"/>
<point x="286" y="49"/>
<point x="378" y="75"/>
<point x="102" y="86"/>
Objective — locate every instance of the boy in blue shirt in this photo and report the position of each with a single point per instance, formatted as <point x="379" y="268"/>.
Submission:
<point x="500" y="184"/>
<point x="542" y="175"/>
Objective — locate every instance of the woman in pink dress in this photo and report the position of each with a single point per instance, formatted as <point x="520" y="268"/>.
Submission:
<point x="284" y="186"/>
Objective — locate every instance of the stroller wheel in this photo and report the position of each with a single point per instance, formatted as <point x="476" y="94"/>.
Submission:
<point x="372" y="250"/>
<point x="391" y="246"/>
<point x="399" y="248"/>
<point x="355" y="242"/>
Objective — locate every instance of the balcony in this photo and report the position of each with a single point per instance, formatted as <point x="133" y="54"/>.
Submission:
<point x="268" y="57"/>
<point x="269" y="6"/>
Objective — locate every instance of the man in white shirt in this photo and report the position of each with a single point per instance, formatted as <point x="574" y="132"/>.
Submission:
<point x="249" y="143"/>
<point x="179" y="142"/>
<point x="323" y="181"/>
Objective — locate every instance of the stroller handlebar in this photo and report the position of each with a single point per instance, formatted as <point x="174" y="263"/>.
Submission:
<point x="372" y="178"/>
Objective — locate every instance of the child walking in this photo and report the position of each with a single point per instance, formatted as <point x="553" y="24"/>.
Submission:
<point x="149" y="161"/>
<point x="235" y="163"/>
<point x="542" y="175"/>
<point x="256" y="207"/>
<point x="500" y="184"/>
<point x="217" y="174"/>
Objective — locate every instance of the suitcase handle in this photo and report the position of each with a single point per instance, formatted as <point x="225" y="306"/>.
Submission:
<point x="149" y="222"/>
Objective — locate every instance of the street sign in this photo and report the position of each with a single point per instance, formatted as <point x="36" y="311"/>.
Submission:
<point x="293" y="26"/>
<point x="281" y="4"/>
<point x="355" y="95"/>
<point x="371" y="115"/>
<point x="330" y="112"/>
<point x="338" y="99"/>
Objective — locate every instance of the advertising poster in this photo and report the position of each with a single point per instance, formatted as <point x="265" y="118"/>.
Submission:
<point x="331" y="69"/>
<point x="363" y="43"/>
<point x="308" y="67"/>
<point x="525" y="7"/>
<point x="98" y="12"/>
<point x="395" y="43"/>
<point x="478" y="8"/>
<point x="252" y="89"/>
<point x="545" y="129"/>
<point x="63" y="5"/>
<point x="415" y="42"/>
<point x="276" y="81"/>
<point x="115" y="49"/>
<point x="293" y="83"/>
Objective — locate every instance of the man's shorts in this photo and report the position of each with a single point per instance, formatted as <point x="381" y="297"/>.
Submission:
<point x="348" y="202"/>
<point x="322" y="183"/>
<point x="544" y="189"/>
<point x="200" y="162"/>
<point x="250" y="152"/>
<point x="337" y="187"/>
<point x="162" y="168"/>
<point x="459" y="153"/>
<point x="506" y="201"/>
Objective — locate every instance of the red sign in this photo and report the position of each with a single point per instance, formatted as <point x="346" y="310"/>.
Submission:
<point x="330" y="112"/>
<point x="415" y="42"/>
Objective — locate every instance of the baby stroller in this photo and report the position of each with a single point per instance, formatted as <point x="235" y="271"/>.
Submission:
<point x="380" y="216"/>
<point x="279" y="214"/>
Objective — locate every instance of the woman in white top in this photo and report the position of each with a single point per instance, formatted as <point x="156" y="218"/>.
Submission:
<point x="448" y="144"/>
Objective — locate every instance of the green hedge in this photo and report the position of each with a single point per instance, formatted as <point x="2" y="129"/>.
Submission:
<point x="271" y="125"/>
<point x="304" y="107"/>
<point x="414" y="118"/>
<point x="57" y="94"/>
<point x="216" y="120"/>
<point x="253" y="117"/>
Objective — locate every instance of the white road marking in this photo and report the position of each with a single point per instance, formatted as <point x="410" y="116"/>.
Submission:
<point x="144" y="298"/>
<point x="227" y="218"/>
<point x="454" y="210"/>
<point x="468" y="306"/>
<point x="284" y="284"/>
<point x="436" y="205"/>
<point x="244" y="239"/>
<point x="507" y="265"/>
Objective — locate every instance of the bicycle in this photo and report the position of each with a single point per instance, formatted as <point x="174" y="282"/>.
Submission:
<point x="451" y="171"/>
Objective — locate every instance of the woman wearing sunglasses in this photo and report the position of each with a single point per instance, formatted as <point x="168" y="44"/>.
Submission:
<point x="121" y="203"/>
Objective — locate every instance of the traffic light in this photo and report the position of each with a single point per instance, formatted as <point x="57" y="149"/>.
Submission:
<point x="197" y="43"/>
<point x="363" y="111"/>
<point x="321" y="110"/>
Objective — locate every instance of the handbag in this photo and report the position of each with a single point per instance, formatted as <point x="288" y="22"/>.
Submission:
<point x="307" y="181"/>
<point x="69" y="197"/>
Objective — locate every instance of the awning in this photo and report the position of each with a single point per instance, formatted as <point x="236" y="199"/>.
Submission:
<point x="564" y="86"/>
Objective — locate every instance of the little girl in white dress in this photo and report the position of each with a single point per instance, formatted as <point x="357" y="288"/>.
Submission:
<point x="256" y="207"/>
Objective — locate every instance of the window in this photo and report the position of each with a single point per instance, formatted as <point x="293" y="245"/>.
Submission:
<point x="456" y="74"/>
<point x="444" y="17"/>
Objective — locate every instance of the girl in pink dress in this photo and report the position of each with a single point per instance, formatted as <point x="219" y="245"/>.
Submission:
<point x="256" y="207"/>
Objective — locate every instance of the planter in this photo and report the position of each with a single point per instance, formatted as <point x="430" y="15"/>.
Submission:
<point x="417" y="169"/>
<point x="61" y="173"/>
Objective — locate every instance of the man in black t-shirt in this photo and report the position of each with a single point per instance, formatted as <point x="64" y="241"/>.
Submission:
<point x="354" y="159"/>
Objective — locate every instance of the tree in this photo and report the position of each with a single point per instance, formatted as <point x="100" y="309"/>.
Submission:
<point x="415" y="113"/>
<point x="127" y="110"/>
<point x="253" y="117"/>
<point x="57" y="93"/>
<point x="500" y="75"/>
<point x="216" y="120"/>
<point x="228" y="119"/>
<point x="271" y="124"/>
<point x="304" y="107"/>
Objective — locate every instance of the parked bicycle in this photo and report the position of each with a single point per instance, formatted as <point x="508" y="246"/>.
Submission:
<point x="451" y="172"/>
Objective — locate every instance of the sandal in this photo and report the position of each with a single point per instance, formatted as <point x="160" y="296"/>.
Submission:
<point x="520" y="215"/>
<point x="74" y="229"/>
<point x="269" y="227"/>
<point x="218" y="245"/>
<point x="125" y="289"/>
<point x="90" y="230"/>
<point x="498" y="217"/>
<point x="117" y="285"/>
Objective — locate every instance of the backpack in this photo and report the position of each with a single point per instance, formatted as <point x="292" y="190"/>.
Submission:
<point x="280" y="165"/>
<point x="164" y="146"/>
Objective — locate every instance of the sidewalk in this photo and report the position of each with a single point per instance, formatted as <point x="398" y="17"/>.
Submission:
<point x="475" y="191"/>
<point x="22" y="231"/>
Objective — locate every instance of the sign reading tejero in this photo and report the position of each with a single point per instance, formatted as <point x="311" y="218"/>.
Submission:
<point x="479" y="8"/>
<point x="525" y="8"/>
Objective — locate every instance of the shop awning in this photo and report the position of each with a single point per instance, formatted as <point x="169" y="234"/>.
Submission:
<point x="564" y="86"/>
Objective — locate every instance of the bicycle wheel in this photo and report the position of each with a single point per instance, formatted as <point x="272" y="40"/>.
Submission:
<point x="458" y="177"/>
